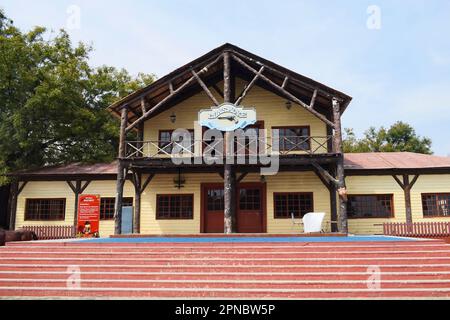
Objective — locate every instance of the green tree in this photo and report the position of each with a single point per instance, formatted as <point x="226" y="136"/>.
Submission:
<point x="53" y="103"/>
<point x="400" y="137"/>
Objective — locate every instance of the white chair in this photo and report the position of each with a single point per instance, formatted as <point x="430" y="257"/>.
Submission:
<point x="295" y="222"/>
<point x="312" y="222"/>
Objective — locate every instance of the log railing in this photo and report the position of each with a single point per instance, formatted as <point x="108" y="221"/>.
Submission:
<point x="418" y="229"/>
<point x="52" y="232"/>
<point x="285" y="146"/>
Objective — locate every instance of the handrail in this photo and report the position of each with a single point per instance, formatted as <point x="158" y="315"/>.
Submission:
<point x="286" y="145"/>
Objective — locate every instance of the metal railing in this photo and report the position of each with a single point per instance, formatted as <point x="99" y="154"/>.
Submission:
<point x="283" y="147"/>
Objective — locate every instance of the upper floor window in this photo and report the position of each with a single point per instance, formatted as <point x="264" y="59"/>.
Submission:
<point x="294" y="138"/>
<point x="436" y="205"/>
<point x="286" y="204"/>
<point x="175" y="206"/>
<point x="107" y="206"/>
<point x="371" y="206"/>
<point x="165" y="141"/>
<point x="45" y="209"/>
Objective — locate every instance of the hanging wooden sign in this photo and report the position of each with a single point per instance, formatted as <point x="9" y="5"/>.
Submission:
<point x="227" y="117"/>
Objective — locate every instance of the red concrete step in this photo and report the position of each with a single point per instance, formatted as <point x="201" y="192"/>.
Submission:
<point x="361" y="275"/>
<point x="323" y="293"/>
<point x="210" y="268"/>
<point x="140" y="253"/>
<point x="220" y="284"/>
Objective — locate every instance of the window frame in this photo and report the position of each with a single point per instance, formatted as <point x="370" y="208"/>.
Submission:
<point x="170" y="131"/>
<point x="283" y="149"/>
<point x="275" y="194"/>
<point x="392" y="197"/>
<point x="433" y="194"/>
<point x="158" y="196"/>
<point x="27" y="204"/>
<point x="112" y="198"/>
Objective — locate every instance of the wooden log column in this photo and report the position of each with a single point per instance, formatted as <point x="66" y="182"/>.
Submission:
<point x="121" y="173"/>
<point x="77" y="189"/>
<point x="15" y="191"/>
<point x="229" y="169"/>
<point x="407" y="185"/>
<point x="340" y="172"/>
<point x="139" y="188"/>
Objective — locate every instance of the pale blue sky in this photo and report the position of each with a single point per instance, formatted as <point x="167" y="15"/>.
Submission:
<point x="400" y="72"/>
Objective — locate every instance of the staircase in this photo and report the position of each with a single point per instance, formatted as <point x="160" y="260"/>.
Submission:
<point x="358" y="270"/>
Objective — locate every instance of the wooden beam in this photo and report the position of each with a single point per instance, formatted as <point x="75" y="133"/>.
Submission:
<point x="72" y="186"/>
<point x="14" y="190"/>
<point x="284" y="92"/>
<point x="325" y="174"/>
<point x="205" y="88"/>
<point x="249" y="86"/>
<point x="282" y="74"/>
<point x="147" y="182"/>
<point x="83" y="188"/>
<point x="220" y="92"/>
<point x="172" y="95"/>
<point x="242" y="177"/>
<point x="313" y="99"/>
<point x="285" y="82"/>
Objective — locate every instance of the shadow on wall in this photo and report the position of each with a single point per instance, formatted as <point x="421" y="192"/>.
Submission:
<point x="4" y="198"/>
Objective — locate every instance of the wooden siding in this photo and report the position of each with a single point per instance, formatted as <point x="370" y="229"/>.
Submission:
<point x="270" y="108"/>
<point x="283" y="182"/>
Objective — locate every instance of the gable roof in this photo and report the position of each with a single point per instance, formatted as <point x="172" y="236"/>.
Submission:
<point x="160" y="89"/>
<point x="368" y="163"/>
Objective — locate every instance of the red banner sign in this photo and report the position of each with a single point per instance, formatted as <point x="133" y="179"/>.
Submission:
<point x="88" y="216"/>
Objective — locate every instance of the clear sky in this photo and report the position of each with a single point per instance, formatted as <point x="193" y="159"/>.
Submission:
<point x="393" y="59"/>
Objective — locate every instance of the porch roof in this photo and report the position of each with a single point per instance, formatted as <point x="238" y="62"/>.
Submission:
<point x="355" y="163"/>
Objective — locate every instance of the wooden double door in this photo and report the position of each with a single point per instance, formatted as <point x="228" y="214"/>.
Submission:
<point x="250" y="208"/>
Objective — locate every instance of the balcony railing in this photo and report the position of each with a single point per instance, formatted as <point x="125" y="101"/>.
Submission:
<point x="284" y="146"/>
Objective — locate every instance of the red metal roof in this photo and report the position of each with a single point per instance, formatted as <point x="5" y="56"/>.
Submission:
<point x="394" y="160"/>
<point x="353" y="161"/>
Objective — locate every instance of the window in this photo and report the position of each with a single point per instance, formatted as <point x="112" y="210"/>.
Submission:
<point x="371" y="206"/>
<point x="174" y="207"/>
<point x="297" y="203"/>
<point x="294" y="138"/>
<point x="436" y="205"/>
<point x="215" y="200"/>
<point x="250" y="199"/>
<point x="165" y="141"/>
<point x="45" y="209"/>
<point x="107" y="206"/>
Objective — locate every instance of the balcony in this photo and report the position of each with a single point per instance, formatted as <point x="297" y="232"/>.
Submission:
<point x="283" y="146"/>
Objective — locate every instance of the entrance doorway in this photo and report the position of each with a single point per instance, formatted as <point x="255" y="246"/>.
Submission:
<point x="250" y="208"/>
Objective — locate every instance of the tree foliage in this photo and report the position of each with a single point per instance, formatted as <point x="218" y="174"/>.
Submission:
<point x="399" y="137"/>
<point x="53" y="103"/>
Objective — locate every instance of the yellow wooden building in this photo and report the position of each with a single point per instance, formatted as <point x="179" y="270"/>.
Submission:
<point x="358" y="192"/>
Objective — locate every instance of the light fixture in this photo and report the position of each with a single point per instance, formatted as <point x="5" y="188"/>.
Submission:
<point x="179" y="181"/>
<point x="263" y="179"/>
<point x="288" y="105"/>
<point x="173" y="118"/>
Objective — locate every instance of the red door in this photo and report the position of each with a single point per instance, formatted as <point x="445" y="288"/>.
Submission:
<point x="250" y="208"/>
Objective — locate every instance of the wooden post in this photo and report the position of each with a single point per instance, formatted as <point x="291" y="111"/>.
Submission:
<point x="77" y="194"/>
<point x="121" y="173"/>
<point x="340" y="172"/>
<point x="407" y="185"/>
<point x="13" y="206"/>
<point x="137" y="202"/>
<point x="229" y="170"/>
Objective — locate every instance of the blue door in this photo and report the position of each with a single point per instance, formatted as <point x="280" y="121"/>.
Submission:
<point x="127" y="220"/>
